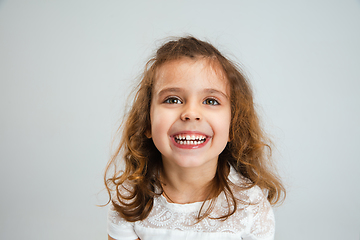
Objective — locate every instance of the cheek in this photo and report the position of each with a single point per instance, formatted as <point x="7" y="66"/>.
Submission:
<point x="223" y="125"/>
<point x="160" y="126"/>
<point x="160" y="122"/>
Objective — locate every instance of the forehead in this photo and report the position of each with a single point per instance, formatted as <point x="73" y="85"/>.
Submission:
<point x="202" y="73"/>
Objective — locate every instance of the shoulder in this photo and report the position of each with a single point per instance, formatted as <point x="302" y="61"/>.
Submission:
<point x="261" y="220"/>
<point x="244" y="190"/>
<point x="121" y="192"/>
<point x="118" y="197"/>
<point x="118" y="227"/>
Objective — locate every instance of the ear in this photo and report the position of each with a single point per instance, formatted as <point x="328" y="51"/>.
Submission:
<point x="148" y="133"/>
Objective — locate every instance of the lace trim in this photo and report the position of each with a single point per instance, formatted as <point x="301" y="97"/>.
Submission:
<point x="163" y="216"/>
<point x="256" y="219"/>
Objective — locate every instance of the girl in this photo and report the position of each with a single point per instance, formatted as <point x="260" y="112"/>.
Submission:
<point x="194" y="153"/>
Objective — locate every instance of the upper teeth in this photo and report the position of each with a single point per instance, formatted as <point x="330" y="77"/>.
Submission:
<point x="190" y="137"/>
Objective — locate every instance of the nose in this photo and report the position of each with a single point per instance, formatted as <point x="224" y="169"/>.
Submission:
<point x="191" y="112"/>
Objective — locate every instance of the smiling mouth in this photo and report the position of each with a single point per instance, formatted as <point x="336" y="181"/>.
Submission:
<point x="186" y="139"/>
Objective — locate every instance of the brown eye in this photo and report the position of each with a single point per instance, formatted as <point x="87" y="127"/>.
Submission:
<point x="173" y="100"/>
<point x="211" y="101"/>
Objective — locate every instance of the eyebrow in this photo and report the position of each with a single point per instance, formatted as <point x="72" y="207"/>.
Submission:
<point x="212" y="91"/>
<point x="169" y="91"/>
<point x="179" y="90"/>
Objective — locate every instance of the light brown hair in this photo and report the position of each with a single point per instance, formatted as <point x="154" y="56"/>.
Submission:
<point x="248" y="150"/>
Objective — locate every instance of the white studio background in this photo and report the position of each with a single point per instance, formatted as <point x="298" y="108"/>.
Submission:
<point x="66" y="68"/>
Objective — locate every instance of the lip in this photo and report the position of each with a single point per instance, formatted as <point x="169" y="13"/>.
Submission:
<point x="190" y="133"/>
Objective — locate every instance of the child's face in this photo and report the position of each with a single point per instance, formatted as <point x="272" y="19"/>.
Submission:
<point x="190" y="113"/>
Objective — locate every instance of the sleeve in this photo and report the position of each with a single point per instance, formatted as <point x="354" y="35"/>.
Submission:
<point x="262" y="220"/>
<point x="118" y="228"/>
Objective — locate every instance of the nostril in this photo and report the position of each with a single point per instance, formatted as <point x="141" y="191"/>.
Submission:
<point x="188" y="116"/>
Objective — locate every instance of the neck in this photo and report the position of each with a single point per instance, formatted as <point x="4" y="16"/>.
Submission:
<point x="186" y="185"/>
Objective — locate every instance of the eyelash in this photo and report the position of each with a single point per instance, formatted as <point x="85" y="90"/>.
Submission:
<point x="207" y="101"/>
<point x="170" y="100"/>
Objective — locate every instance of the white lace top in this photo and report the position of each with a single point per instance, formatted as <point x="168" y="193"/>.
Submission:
<point x="178" y="221"/>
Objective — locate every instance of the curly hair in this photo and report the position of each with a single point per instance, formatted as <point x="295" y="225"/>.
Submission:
<point x="248" y="150"/>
